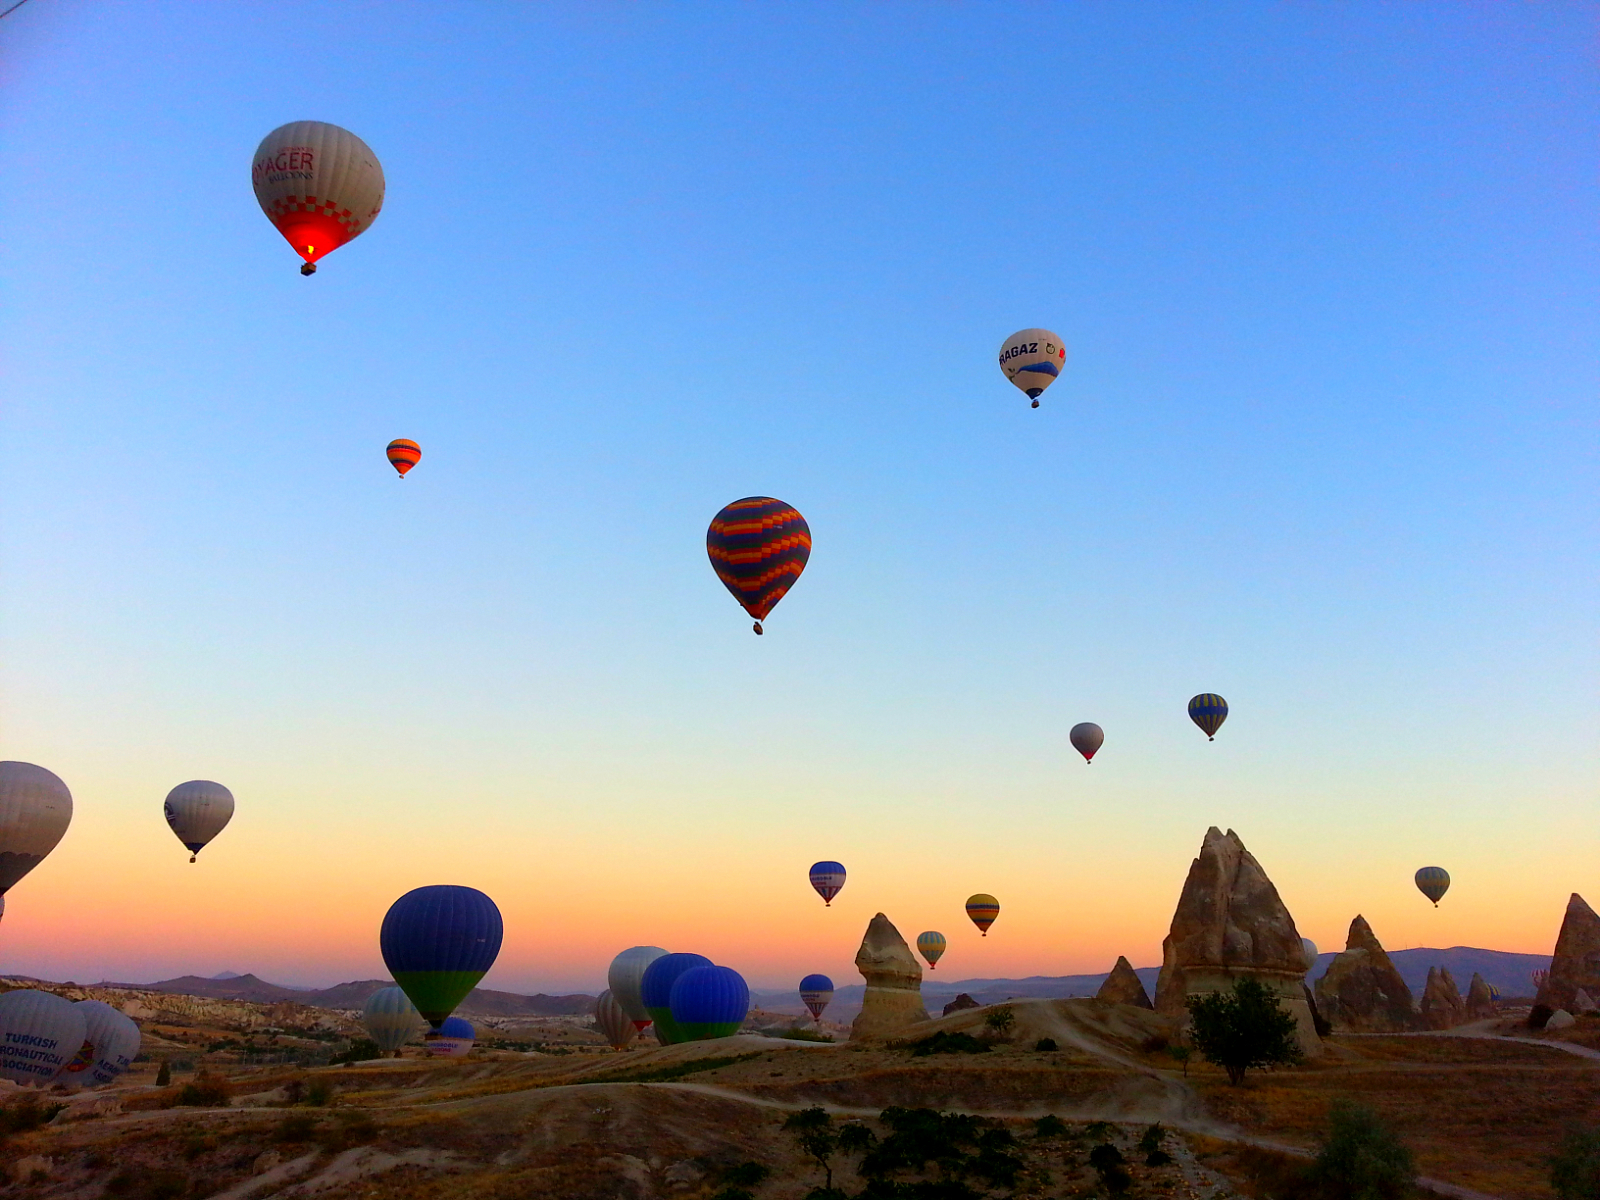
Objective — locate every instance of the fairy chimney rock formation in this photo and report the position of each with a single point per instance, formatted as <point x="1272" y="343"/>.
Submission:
<point x="1122" y="986"/>
<point x="1230" y="924"/>
<point x="893" y="998"/>
<point x="1442" y="1005"/>
<point x="1582" y="1005"/>
<point x="1576" y="965"/>
<point x="1361" y="991"/>
<point x="1480" y="1000"/>
<point x="960" y="1002"/>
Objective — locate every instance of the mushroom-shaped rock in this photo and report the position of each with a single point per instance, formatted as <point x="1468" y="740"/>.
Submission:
<point x="1122" y="986"/>
<point x="1442" y="1006"/>
<point x="893" y="998"/>
<point x="1361" y="991"/>
<point x="960" y="1002"/>
<point x="1230" y="924"/>
<point x="1576" y="963"/>
<point x="1480" y="1000"/>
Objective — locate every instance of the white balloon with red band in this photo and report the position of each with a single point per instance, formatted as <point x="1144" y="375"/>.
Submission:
<point x="320" y="185"/>
<point x="110" y="1042"/>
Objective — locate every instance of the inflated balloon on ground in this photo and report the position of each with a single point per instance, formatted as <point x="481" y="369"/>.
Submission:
<point x="816" y="991"/>
<point x="709" y="1002"/>
<point x="612" y="1022"/>
<point x="197" y="811"/>
<point x="1032" y="359"/>
<point x="438" y="942"/>
<point x="1208" y="710"/>
<point x="626" y="979"/>
<point x="758" y="546"/>
<point x="35" y="810"/>
<point x="931" y="944"/>
<point x="983" y="909"/>
<point x="319" y="185"/>
<point x="655" y="989"/>
<point x="39" y="1034"/>
<point x="110" y="1044"/>
<point x="1433" y="882"/>
<point x="390" y="1018"/>
<point x="1086" y="738"/>
<point x="828" y="879"/>
<point x="453" y="1039"/>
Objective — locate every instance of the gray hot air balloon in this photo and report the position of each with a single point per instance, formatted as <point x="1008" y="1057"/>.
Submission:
<point x="39" y="1034"/>
<point x="613" y="1022"/>
<point x="1310" y="949"/>
<point x="35" y="810"/>
<point x="198" y="811"/>
<point x="1087" y="737"/>
<point x="626" y="978"/>
<point x="110" y="1042"/>
<point x="390" y="1019"/>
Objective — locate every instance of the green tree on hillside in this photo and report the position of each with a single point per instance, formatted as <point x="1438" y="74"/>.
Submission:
<point x="1244" y="1028"/>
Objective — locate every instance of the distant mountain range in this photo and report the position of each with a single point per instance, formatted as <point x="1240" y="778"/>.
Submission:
<point x="480" y="1002"/>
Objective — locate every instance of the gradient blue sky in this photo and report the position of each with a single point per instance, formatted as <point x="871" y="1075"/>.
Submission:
<point x="1325" y="444"/>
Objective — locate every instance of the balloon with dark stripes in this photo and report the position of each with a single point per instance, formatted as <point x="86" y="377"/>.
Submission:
<point x="1208" y="710"/>
<point x="758" y="546"/>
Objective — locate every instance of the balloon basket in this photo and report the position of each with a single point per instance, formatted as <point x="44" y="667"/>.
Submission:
<point x="308" y="269"/>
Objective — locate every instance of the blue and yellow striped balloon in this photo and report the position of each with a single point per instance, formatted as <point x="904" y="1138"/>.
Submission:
<point x="1433" y="882"/>
<point x="930" y="944"/>
<point x="1208" y="710"/>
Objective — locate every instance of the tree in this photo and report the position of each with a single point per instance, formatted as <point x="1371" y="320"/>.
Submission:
<point x="1575" y="1167"/>
<point x="814" y="1129"/>
<point x="1244" y="1028"/>
<point x="1362" y="1158"/>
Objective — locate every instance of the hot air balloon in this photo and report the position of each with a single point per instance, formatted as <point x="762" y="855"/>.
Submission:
<point x="758" y="547"/>
<point x="1087" y="737"/>
<point x="198" y="811"/>
<point x="827" y="878"/>
<point x="437" y="942"/>
<point x="1433" y="882"/>
<point x="709" y="1002"/>
<point x="390" y="1019"/>
<point x="1539" y="977"/>
<point x="319" y="184"/>
<point x="39" y="1034"/>
<point x="1032" y="359"/>
<point x="1208" y="710"/>
<point x="452" y="1039"/>
<point x="931" y="946"/>
<point x="403" y="455"/>
<point x="983" y="909"/>
<point x="815" y="993"/>
<point x="625" y="978"/>
<point x="613" y="1022"/>
<point x="655" y="989"/>
<point x="35" y="810"/>
<point x="110" y="1042"/>
<point x="1310" y="949"/>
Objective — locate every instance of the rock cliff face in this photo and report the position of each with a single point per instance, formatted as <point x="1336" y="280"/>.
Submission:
<point x="1442" y="1005"/>
<point x="1122" y="986"/>
<point x="960" y="1002"/>
<point x="1230" y="924"/>
<point x="1576" y="964"/>
<point x="1361" y="991"/>
<point x="893" y="998"/>
<point x="1480" y="1000"/>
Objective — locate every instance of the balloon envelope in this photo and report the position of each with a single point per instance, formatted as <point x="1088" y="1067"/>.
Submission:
<point x="626" y="977"/>
<point x="437" y="942"/>
<point x="319" y="185"/>
<point x="1032" y="359"/>
<point x="110" y="1042"/>
<point x="1208" y="710"/>
<point x="1087" y="737"/>
<point x="983" y="909"/>
<point x="1433" y="882"/>
<point x="1310" y="949"/>
<point x="39" y="1034"/>
<point x="758" y="546"/>
<point x="655" y="989"/>
<point x="404" y="454"/>
<point x="198" y="811"/>
<point x="931" y="944"/>
<point x="453" y="1039"/>
<point x="828" y="879"/>
<point x="390" y="1018"/>
<point x="815" y="993"/>
<point x="612" y="1022"/>
<point x="709" y="1002"/>
<point x="35" y="810"/>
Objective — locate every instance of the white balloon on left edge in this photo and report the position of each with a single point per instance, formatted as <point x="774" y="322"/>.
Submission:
<point x="39" y="1034"/>
<point x="198" y="811"/>
<point x="35" y="810"/>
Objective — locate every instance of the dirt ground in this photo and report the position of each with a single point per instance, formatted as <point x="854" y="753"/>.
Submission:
<point x="683" y="1121"/>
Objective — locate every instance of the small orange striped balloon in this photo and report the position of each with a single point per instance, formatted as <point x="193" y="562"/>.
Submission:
<point x="404" y="454"/>
<point x="983" y="909"/>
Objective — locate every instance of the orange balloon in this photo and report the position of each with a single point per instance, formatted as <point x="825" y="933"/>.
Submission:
<point x="404" y="454"/>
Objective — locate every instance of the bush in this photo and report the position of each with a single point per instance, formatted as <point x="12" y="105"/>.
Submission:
<point x="1000" y="1021"/>
<point x="1045" y="1044"/>
<point x="948" y="1043"/>
<point x="296" y="1128"/>
<point x="1049" y="1126"/>
<point x="746" y="1174"/>
<point x="206" y="1091"/>
<point x="1244" y="1028"/>
<point x="319" y="1094"/>
<point x="1362" y="1159"/>
<point x="1575" y="1167"/>
<point x="361" y="1050"/>
<point x="26" y="1114"/>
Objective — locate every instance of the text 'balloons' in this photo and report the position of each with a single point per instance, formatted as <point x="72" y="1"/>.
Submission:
<point x="1032" y="359"/>
<point x="816" y="991"/>
<point x="1208" y="710"/>
<point x="758" y="546"/>
<point x="983" y="909"/>
<point x="1433" y="882"/>
<point x="1086" y="738"/>
<point x="320" y="186"/>
<point x="197" y="811"/>
<point x="931" y="944"/>
<point x="828" y="879"/>
<point x="452" y="1039"/>
<point x="437" y="942"/>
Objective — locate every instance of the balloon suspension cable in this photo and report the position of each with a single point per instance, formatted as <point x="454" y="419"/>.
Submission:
<point x="308" y="269"/>
<point x="1036" y="404"/>
<point x="757" y="627"/>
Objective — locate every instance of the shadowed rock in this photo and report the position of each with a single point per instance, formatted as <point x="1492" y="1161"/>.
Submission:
<point x="1577" y="958"/>
<point x="893" y="998"/>
<point x="1361" y="991"/>
<point x="1230" y="924"/>
<point x="1122" y="986"/>
<point x="1442" y="1006"/>
<point x="1480" y="1000"/>
<point x="1583" y="1004"/>
<point x="960" y="1002"/>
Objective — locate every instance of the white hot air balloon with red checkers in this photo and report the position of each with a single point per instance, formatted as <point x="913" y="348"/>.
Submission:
<point x="320" y="185"/>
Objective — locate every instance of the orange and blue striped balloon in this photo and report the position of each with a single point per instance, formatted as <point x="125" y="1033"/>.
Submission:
<point x="758" y="547"/>
<point x="404" y="454"/>
<point x="983" y="909"/>
<point x="1208" y="710"/>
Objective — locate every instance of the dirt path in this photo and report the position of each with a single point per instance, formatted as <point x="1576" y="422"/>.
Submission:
<point x="1483" y="1032"/>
